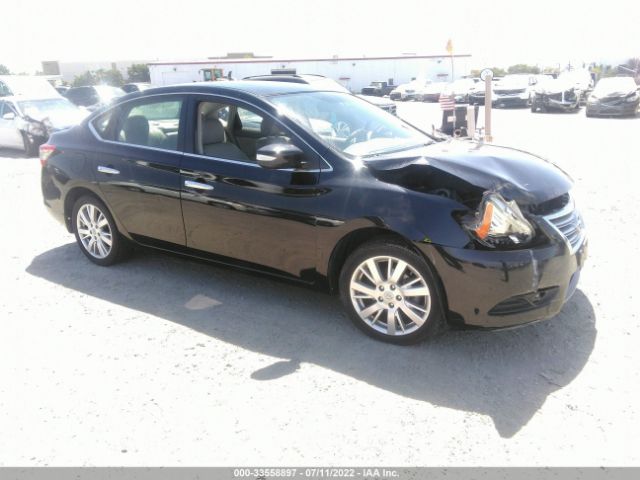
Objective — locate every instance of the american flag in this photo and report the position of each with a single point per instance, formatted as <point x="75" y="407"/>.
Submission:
<point x="447" y="102"/>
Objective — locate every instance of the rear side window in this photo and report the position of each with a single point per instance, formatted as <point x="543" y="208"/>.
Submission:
<point x="101" y="124"/>
<point x="151" y="124"/>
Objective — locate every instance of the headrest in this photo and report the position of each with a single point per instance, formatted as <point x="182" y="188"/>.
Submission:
<point x="136" y="130"/>
<point x="212" y="131"/>
<point x="269" y="128"/>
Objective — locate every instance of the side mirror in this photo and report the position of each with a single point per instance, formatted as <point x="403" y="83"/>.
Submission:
<point x="9" y="116"/>
<point x="279" y="155"/>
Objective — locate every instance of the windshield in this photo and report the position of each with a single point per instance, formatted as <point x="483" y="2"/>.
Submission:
<point x="44" y="108"/>
<point x="348" y="124"/>
<point x="614" y="84"/>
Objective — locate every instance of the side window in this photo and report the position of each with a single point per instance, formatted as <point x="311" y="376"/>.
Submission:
<point x="101" y="124"/>
<point x="152" y="124"/>
<point x="235" y="133"/>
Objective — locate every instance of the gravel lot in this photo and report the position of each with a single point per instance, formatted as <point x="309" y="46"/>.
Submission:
<point x="165" y="361"/>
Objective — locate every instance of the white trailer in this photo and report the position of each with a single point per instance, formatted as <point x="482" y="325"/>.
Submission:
<point x="354" y="73"/>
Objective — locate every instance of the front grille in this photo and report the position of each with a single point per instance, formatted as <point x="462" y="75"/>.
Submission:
<point x="568" y="223"/>
<point x="509" y="92"/>
<point x="525" y="303"/>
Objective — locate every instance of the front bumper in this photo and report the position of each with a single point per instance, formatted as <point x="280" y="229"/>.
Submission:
<point x="548" y="101"/>
<point x="510" y="101"/>
<point x="621" y="108"/>
<point x="499" y="289"/>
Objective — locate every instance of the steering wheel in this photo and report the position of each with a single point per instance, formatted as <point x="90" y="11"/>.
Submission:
<point x="356" y="136"/>
<point x="342" y="128"/>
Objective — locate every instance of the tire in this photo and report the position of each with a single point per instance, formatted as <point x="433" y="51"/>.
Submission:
<point x="534" y="108"/>
<point x="29" y="145"/>
<point x="94" y="227"/>
<point x="371" y="304"/>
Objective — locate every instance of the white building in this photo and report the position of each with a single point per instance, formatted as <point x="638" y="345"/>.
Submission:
<point x="68" y="71"/>
<point x="354" y="73"/>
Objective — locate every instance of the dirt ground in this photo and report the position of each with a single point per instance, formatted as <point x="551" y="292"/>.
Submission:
<point x="166" y="361"/>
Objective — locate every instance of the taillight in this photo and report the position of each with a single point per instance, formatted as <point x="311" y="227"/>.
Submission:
<point x="45" y="152"/>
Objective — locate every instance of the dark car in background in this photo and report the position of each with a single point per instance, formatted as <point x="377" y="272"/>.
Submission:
<point x="324" y="188"/>
<point x="94" y="97"/>
<point x="135" y="87"/>
<point x="378" y="89"/>
<point x="614" y="96"/>
<point x="324" y="83"/>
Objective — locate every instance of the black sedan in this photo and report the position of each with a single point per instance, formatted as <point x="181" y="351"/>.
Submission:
<point x="323" y="188"/>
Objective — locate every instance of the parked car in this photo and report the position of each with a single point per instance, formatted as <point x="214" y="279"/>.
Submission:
<point x="26" y="123"/>
<point x="581" y="79"/>
<point x="431" y="92"/>
<point x="555" y="95"/>
<point x="477" y="93"/>
<point x="135" y="87"/>
<point x="514" y="90"/>
<point x="415" y="234"/>
<point x="408" y="91"/>
<point x="94" y="97"/>
<point x="378" y="89"/>
<point x="614" y="96"/>
<point x="461" y="89"/>
<point x="322" y="82"/>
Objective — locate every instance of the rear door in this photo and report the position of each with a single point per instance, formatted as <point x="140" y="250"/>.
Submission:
<point x="138" y="166"/>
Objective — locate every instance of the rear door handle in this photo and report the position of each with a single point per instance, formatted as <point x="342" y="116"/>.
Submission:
<point x="197" y="185"/>
<point x="108" y="170"/>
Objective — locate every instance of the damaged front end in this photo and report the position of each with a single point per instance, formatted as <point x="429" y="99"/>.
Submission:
<point x="526" y="241"/>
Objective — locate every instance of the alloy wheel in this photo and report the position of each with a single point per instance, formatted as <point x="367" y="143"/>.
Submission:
<point x="390" y="296"/>
<point x="94" y="231"/>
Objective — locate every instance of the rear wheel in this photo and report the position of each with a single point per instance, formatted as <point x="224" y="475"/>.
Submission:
<point x="96" y="232"/>
<point x="391" y="293"/>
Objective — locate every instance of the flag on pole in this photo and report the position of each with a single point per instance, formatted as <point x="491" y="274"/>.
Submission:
<point x="447" y="102"/>
<point x="450" y="47"/>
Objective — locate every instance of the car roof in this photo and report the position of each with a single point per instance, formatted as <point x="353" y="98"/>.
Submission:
<point x="259" y="88"/>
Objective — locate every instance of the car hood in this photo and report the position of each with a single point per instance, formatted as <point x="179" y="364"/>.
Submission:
<point x="613" y="93"/>
<point x="375" y="100"/>
<point x="62" y="119"/>
<point x="515" y="174"/>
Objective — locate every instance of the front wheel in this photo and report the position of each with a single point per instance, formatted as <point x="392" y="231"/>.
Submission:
<point x="391" y="293"/>
<point x="96" y="232"/>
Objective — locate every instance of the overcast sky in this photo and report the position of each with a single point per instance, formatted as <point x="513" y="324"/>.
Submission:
<point x="496" y="33"/>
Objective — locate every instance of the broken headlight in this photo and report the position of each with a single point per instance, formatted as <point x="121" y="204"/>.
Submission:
<point x="498" y="222"/>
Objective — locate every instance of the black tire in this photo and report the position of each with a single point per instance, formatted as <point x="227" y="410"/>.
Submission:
<point x="534" y="108"/>
<point x="434" y="322"/>
<point x="119" y="245"/>
<point x="30" y="146"/>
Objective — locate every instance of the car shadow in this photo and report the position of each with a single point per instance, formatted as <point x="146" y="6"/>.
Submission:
<point x="11" y="153"/>
<point x="506" y="375"/>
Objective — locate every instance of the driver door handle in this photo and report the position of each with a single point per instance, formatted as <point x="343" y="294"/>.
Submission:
<point x="197" y="185"/>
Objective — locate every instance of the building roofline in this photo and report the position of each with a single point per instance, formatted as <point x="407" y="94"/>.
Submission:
<point x="297" y="60"/>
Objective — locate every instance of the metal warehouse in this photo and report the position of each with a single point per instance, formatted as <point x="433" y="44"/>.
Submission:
<point x="354" y="72"/>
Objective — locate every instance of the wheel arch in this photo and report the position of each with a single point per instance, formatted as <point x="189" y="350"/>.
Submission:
<point x="74" y="194"/>
<point x="353" y="240"/>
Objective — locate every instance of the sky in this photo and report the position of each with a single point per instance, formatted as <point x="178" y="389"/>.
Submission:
<point x="495" y="33"/>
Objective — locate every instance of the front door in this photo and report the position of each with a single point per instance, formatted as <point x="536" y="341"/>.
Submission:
<point x="234" y="207"/>
<point x="10" y="136"/>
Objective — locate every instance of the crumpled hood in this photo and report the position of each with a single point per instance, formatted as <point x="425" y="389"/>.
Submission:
<point x="515" y="174"/>
<point x="60" y="120"/>
<point x="555" y="86"/>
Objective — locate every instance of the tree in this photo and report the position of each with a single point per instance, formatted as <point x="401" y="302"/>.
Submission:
<point x="523" y="68"/>
<point x="138" y="72"/>
<point x="111" y="77"/>
<point x="85" y="79"/>
<point x="4" y="70"/>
